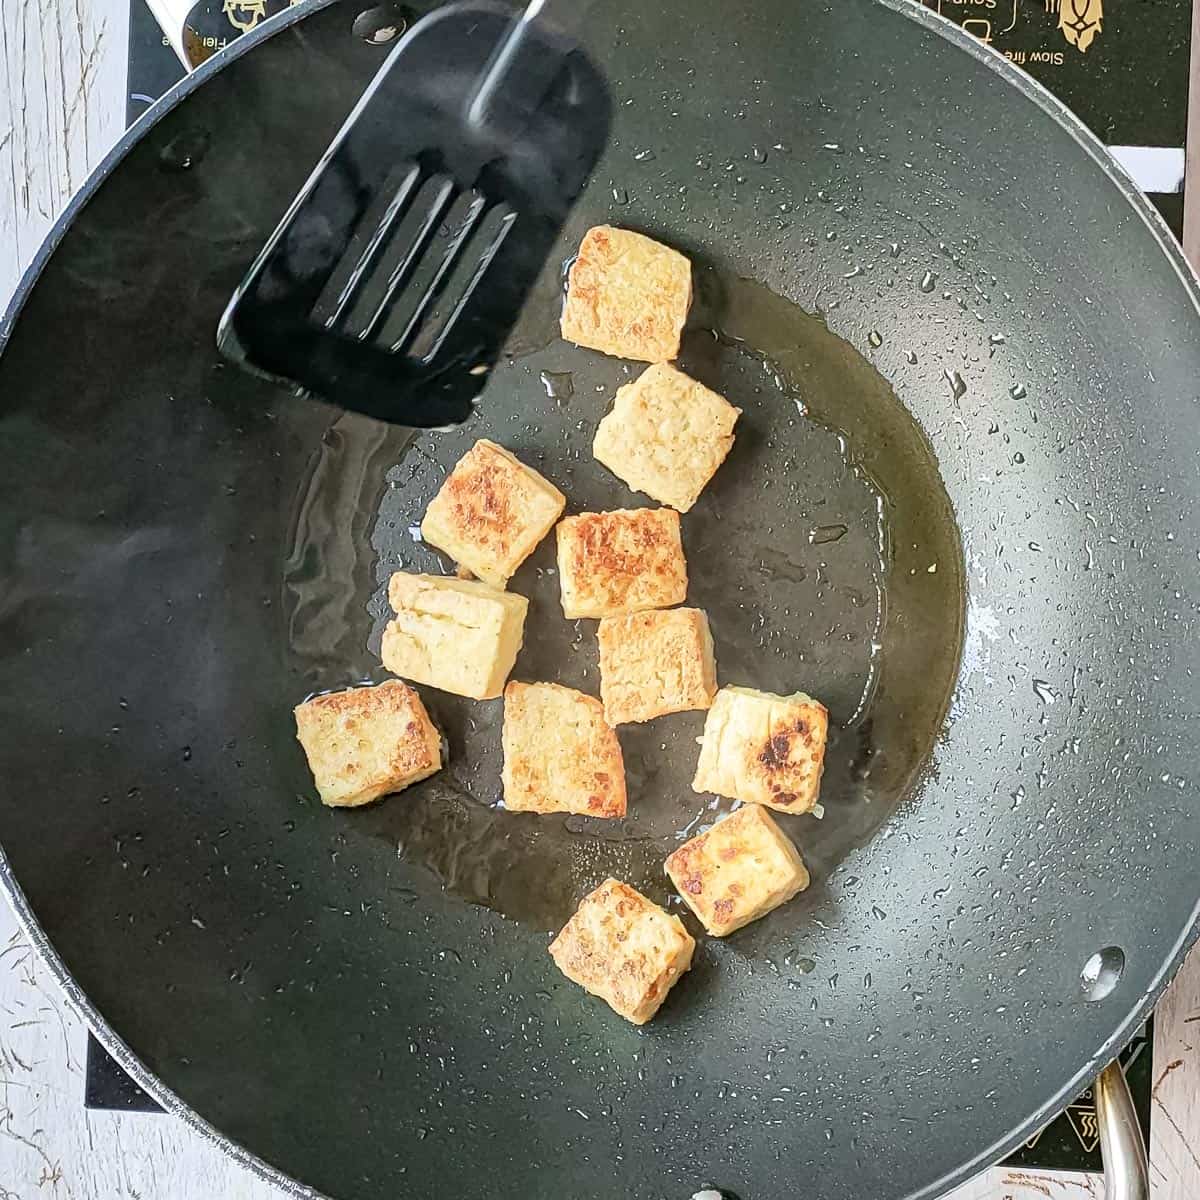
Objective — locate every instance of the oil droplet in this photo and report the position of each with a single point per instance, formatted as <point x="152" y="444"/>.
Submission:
<point x="620" y="195"/>
<point x="184" y="151"/>
<point x="910" y="358"/>
<point x="559" y="385"/>
<point x="799" y="963"/>
<point x="824" y="534"/>
<point x="875" y="338"/>
<point x="928" y="282"/>
<point x="834" y="148"/>
<point x="644" y="156"/>
<point x="894" y="248"/>
<point x="759" y="155"/>
<point x="958" y="387"/>
<point x="997" y="339"/>
<point x="1044" y="692"/>
<point x="1017" y="391"/>
<point x="1018" y="458"/>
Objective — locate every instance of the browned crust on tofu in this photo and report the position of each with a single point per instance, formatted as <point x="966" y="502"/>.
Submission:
<point x="367" y="742"/>
<point x="737" y="871"/>
<point x="621" y="561"/>
<point x="764" y="749"/>
<point x="560" y="755"/>
<point x="491" y="512"/>
<point x="627" y="295"/>
<point x="655" y="663"/>
<point x="625" y="949"/>
<point x="792" y="757"/>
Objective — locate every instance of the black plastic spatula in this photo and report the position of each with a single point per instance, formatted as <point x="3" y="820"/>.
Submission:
<point x="396" y="275"/>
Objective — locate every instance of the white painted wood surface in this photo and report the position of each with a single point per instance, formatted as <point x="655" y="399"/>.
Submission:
<point x="62" y="104"/>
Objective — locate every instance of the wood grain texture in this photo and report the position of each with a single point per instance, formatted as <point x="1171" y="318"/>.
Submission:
<point x="51" y="1147"/>
<point x="1191" y="175"/>
<point x="1175" y="1108"/>
<point x="62" y="104"/>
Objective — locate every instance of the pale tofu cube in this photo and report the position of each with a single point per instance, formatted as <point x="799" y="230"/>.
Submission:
<point x="455" y="634"/>
<point x="763" y="749"/>
<point x="560" y="755"/>
<point x="491" y="512"/>
<point x="666" y="436"/>
<point x="367" y="742"/>
<point x="625" y="949"/>
<point x="738" y="871"/>
<point x="654" y="663"/>
<point x="627" y="295"/>
<point x="620" y="562"/>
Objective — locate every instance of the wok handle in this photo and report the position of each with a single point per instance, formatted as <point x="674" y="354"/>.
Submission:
<point x="1126" y="1174"/>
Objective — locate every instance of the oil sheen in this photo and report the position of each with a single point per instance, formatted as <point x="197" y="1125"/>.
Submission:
<point x="824" y="552"/>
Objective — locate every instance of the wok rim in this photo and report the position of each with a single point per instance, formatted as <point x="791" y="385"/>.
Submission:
<point x="104" y="1033"/>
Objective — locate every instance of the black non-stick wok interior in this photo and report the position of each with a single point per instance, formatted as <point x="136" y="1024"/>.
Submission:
<point x="1004" y="633"/>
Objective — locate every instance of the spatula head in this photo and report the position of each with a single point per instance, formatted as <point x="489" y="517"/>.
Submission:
<point x="395" y="277"/>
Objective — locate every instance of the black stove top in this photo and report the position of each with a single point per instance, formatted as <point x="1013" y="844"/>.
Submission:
<point x="1125" y="72"/>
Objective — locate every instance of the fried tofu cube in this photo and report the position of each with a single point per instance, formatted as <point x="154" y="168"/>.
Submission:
<point x="737" y="871"/>
<point x="625" y="949"/>
<point x="560" y="755"/>
<point x="367" y="742"/>
<point x="620" y="562"/>
<point x="763" y="749"/>
<point x="455" y="634"/>
<point x="491" y="512"/>
<point x="627" y="295"/>
<point x="654" y="663"/>
<point x="666" y="436"/>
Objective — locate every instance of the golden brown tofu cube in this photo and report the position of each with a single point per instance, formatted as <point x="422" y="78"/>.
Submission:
<point x="666" y="436"/>
<point x="560" y="755"/>
<point x="738" y="871"/>
<point x="367" y="742"/>
<point x="491" y="512"/>
<point x="620" y="562"/>
<point x="763" y="749"/>
<point x="627" y="295"/>
<point x="624" y="949"/>
<point x="654" y="663"/>
<point x="455" y="634"/>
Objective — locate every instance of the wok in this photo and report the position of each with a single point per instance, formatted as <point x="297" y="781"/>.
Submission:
<point x="962" y="509"/>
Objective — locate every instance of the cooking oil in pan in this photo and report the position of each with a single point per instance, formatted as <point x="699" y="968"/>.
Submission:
<point x="810" y="551"/>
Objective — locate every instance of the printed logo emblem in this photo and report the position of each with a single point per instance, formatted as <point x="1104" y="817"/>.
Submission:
<point x="245" y="14"/>
<point x="1079" y="20"/>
